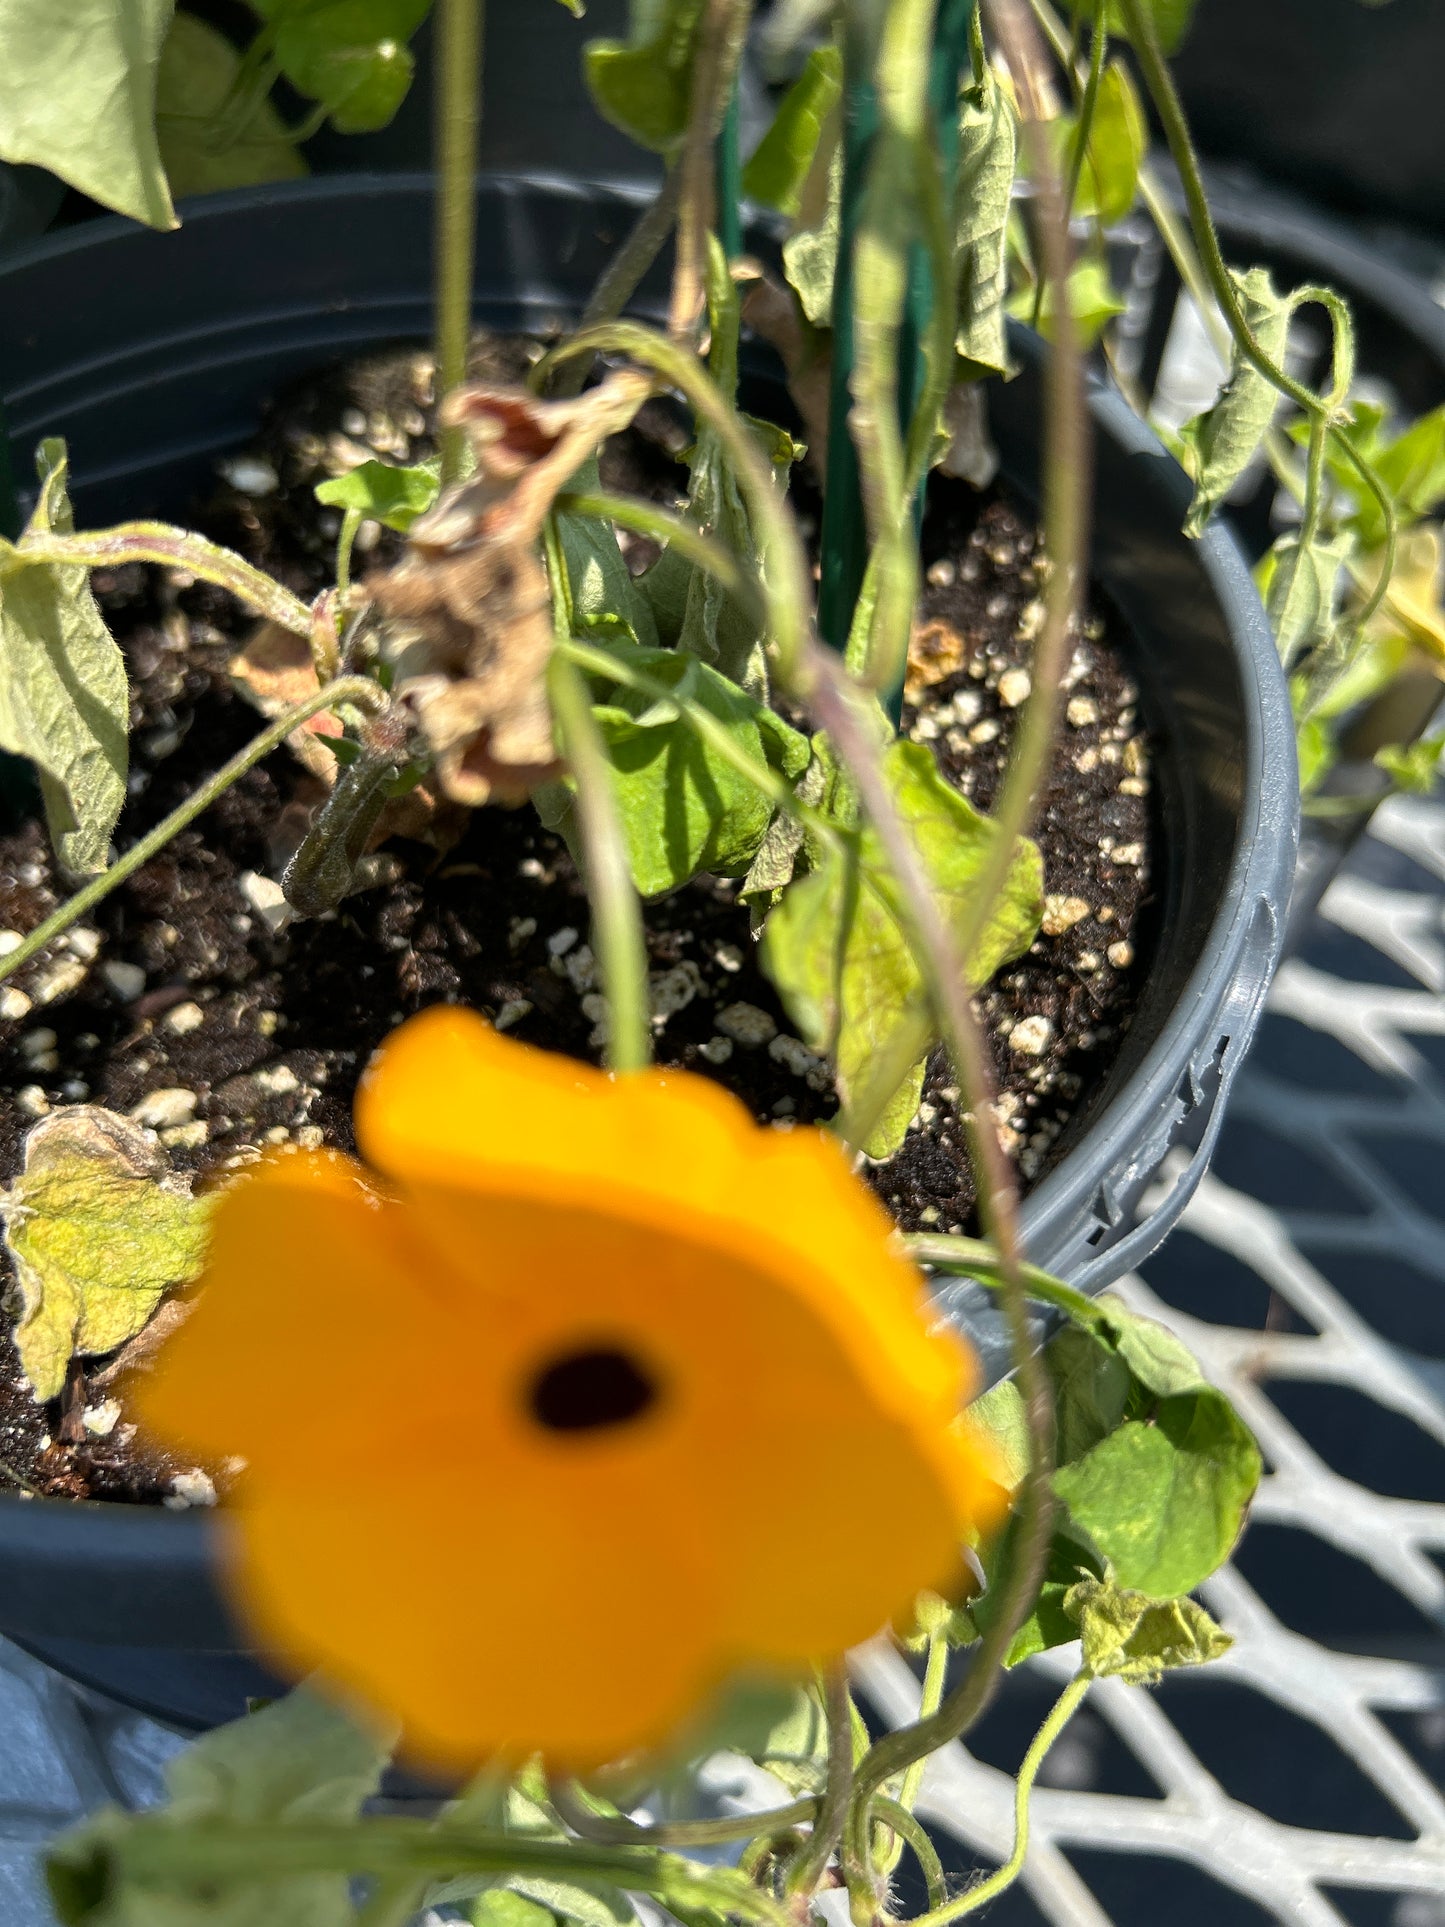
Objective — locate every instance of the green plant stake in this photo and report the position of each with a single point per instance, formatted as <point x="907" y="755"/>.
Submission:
<point x="729" y="182"/>
<point x="844" y="537"/>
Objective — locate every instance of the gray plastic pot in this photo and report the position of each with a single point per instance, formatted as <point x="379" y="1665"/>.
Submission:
<point x="151" y="354"/>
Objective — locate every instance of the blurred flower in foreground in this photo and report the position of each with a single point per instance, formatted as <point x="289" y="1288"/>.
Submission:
<point x="596" y="1394"/>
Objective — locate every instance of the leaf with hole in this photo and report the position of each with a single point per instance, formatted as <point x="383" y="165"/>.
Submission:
<point x="64" y="701"/>
<point x="837" y="945"/>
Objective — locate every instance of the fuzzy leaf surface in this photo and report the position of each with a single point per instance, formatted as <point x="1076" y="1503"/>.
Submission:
<point x="78" y="95"/>
<point x="1226" y="437"/>
<point x="1171" y="19"/>
<point x="987" y="163"/>
<point x="99" y="1230"/>
<point x="837" y="945"/>
<point x="64" y="701"/>
<point x="1127" y="1635"/>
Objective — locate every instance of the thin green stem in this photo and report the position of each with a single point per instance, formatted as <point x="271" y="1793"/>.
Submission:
<point x="619" y="1831"/>
<point x="617" y="931"/>
<point x="942" y="957"/>
<point x="647" y="518"/>
<point x="1157" y="79"/>
<point x="812" y="1862"/>
<point x="622" y="276"/>
<point x="935" y="1675"/>
<point x="458" y="116"/>
<point x="151" y="1856"/>
<point x="1066" y="464"/>
<point x="942" y="963"/>
<point x="1098" y="52"/>
<point x="357" y="690"/>
<point x="719" y="44"/>
<point x="912" y="1832"/>
<point x="351" y="521"/>
<point x="786" y="579"/>
<point x="978" y="1259"/>
<point x="173" y="548"/>
<point x="1058" y="1718"/>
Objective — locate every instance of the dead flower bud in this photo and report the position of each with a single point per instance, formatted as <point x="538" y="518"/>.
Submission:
<point x="465" y="618"/>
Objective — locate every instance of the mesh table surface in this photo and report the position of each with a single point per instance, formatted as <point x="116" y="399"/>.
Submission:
<point x="1302" y="1778"/>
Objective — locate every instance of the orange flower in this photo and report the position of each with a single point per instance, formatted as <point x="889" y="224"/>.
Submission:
<point x="599" y="1393"/>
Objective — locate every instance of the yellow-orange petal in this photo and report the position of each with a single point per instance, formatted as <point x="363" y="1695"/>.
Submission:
<point x="451" y="1109"/>
<point x="481" y="1633"/>
<point x="313" y="1327"/>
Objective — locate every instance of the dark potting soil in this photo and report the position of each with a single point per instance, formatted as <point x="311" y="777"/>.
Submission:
<point x="180" y="1003"/>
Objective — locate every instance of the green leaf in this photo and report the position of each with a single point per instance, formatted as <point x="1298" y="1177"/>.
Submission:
<point x="683" y="808"/>
<point x="1164" y="1500"/>
<point x="783" y="158"/>
<point x="1318" y="753"/>
<point x="1171" y="19"/>
<point x="1413" y="767"/>
<point x="810" y="256"/>
<point x="78" y="95"/>
<point x="1000" y="1411"/>
<point x="713" y="624"/>
<point x="1092" y="1386"/>
<point x="297" y="1760"/>
<point x="500" y="1907"/>
<point x="987" y="163"/>
<point x="197" y="70"/>
<point x="763" y="1719"/>
<point x="1412" y="466"/>
<point x="1226" y="437"/>
<point x="604" y="591"/>
<point x="1118" y="141"/>
<point x="1299" y="581"/>
<point x="1091" y="296"/>
<point x="837" y="945"/>
<point x="644" y="84"/>
<point x="1126" y="1635"/>
<point x="394" y="497"/>
<point x="99" y="1230"/>
<point x="1070" y="1558"/>
<point x="350" y="56"/>
<point x="64" y="702"/>
<point x="589" y="1905"/>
